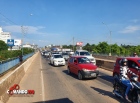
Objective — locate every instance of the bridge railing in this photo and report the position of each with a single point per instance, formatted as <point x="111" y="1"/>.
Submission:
<point x="8" y="64"/>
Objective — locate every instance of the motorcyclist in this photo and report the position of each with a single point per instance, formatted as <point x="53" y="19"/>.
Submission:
<point x="124" y="70"/>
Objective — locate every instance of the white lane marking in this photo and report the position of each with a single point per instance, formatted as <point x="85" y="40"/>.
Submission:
<point x="42" y="83"/>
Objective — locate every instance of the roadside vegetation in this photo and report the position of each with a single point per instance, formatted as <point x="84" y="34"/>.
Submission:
<point x="7" y="54"/>
<point x="104" y="48"/>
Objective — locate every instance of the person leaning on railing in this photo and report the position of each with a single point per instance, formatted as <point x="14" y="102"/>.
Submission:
<point x="135" y="55"/>
<point x="20" y="58"/>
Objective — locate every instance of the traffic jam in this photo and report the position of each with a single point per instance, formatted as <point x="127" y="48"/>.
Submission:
<point x="83" y="65"/>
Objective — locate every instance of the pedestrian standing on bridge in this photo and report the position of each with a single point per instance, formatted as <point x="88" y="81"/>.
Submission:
<point x="21" y="58"/>
<point x="135" y="55"/>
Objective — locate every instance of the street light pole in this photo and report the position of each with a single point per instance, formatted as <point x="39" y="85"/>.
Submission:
<point x="110" y="37"/>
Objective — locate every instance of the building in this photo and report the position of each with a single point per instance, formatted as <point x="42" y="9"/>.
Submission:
<point x="4" y="35"/>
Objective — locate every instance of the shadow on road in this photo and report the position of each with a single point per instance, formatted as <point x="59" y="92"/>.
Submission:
<point x="62" y="100"/>
<point x="75" y="76"/>
<point x="108" y="93"/>
<point x="71" y="74"/>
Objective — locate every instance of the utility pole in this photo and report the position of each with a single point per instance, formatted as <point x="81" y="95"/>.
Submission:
<point x="73" y="44"/>
<point x="22" y="38"/>
<point x="23" y="30"/>
<point x="110" y="37"/>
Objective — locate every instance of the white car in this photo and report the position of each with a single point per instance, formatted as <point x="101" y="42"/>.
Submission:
<point x="85" y="53"/>
<point x="57" y="59"/>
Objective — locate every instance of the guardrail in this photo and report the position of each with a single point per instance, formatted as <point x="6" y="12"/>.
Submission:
<point x="8" y="64"/>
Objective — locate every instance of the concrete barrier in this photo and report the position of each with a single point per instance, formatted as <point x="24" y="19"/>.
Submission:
<point x="13" y="78"/>
<point x="105" y="64"/>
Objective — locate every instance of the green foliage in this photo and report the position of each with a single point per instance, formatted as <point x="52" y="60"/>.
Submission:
<point x="105" y="48"/>
<point x="3" y="45"/>
<point x="5" y="54"/>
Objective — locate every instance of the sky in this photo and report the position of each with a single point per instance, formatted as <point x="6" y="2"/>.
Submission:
<point x="64" y="22"/>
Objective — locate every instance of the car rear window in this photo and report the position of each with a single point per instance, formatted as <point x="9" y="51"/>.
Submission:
<point x="84" y="53"/>
<point x="57" y="56"/>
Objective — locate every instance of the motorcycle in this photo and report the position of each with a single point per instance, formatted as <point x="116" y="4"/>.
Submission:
<point x="134" y="92"/>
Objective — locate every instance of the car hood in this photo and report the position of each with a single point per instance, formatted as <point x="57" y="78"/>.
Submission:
<point x="65" y="56"/>
<point x="59" y="59"/>
<point x="89" y="57"/>
<point x="88" y="66"/>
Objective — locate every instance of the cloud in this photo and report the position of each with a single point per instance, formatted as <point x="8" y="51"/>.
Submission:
<point x="134" y="20"/>
<point x="130" y="29"/>
<point x="24" y="29"/>
<point x="43" y="41"/>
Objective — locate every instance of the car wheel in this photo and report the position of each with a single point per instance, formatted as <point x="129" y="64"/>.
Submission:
<point x="53" y="64"/>
<point x="69" y="71"/>
<point x="96" y="76"/>
<point x="80" y="77"/>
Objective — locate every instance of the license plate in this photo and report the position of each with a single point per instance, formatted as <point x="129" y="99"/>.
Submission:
<point x="93" y="74"/>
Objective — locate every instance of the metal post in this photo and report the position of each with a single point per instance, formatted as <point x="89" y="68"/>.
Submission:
<point x="110" y="43"/>
<point x="22" y="38"/>
<point x="73" y="44"/>
<point x="110" y="37"/>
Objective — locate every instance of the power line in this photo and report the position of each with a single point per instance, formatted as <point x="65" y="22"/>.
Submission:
<point x="7" y="18"/>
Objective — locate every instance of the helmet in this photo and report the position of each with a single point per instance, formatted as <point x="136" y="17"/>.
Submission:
<point x="123" y="61"/>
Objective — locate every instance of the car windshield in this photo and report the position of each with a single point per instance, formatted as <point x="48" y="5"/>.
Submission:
<point x="84" y="53"/>
<point x="64" y="53"/>
<point x="57" y="56"/>
<point x="55" y="53"/>
<point x="83" y="60"/>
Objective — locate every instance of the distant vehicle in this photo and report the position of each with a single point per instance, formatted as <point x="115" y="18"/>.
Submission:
<point x="133" y="65"/>
<point x="54" y="53"/>
<point x="57" y="59"/>
<point x="85" y="53"/>
<point x="47" y="54"/>
<point x="82" y="67"/>
<point x="65" y="55"/>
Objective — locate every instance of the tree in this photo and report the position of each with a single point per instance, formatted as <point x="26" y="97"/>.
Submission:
<point x="115" y="49"/>
<point x="3" y="45"/>
<point x="103" y="47"/>
<point x="88" y="47"/>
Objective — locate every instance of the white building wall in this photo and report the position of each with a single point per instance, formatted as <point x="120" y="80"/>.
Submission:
<point x="4" y="35"/>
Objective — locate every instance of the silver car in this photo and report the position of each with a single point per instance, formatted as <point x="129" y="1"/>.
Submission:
<point x="65" y="56"/>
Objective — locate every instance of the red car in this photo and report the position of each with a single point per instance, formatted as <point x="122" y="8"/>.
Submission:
<point x="82" y="67"/>
<point x="133" y="65"/>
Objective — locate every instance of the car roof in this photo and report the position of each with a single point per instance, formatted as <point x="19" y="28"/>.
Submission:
<point x="78" y="56"/>
<point x="81" y="50"/>
<point x="130" y="58"/>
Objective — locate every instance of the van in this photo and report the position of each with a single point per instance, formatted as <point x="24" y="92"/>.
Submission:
<point x="85" y="53"/>
<point x="133" y="64"/>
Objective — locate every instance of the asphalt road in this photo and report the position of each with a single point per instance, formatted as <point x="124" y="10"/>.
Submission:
<point x="54" y="85"/>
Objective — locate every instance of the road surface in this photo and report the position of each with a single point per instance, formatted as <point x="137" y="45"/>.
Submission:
<point x="54" y="85"/>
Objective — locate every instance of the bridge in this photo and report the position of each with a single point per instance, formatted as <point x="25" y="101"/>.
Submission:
<point x="53" y="84"/>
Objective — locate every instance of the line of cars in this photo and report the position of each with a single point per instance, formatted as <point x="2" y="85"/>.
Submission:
<point x="81" y="63"/>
